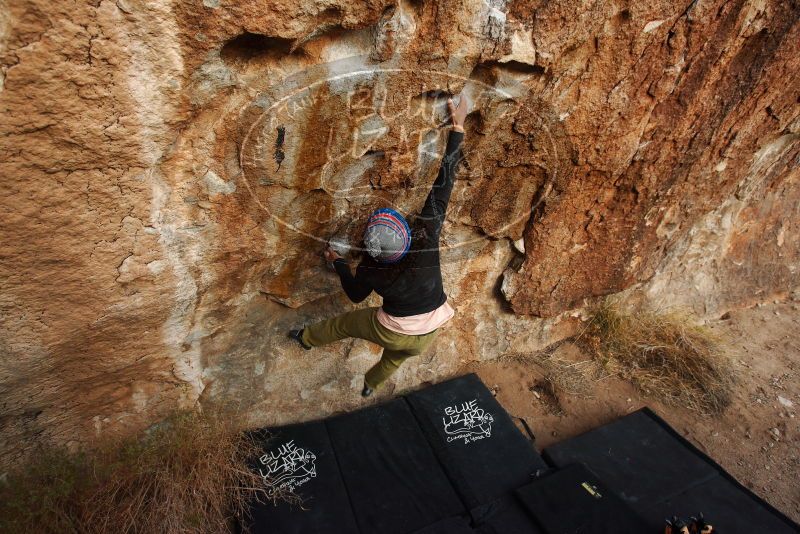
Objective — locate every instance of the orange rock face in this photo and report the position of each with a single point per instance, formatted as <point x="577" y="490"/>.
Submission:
<point x="172" y="170"/>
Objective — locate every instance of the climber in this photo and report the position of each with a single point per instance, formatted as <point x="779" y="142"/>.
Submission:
<point x="402" y="267"/>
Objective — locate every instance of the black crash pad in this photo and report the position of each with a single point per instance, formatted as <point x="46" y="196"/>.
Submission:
<point x="660" y="474"/>
<point x="301" y="457"/>
<point x="451" y="525"/>
<point x="729" y="507"/>
<point x="573" y="500"/>
<point x="394" y="481"/>
<point x="483" y="453"/>
<point x="505" y="515"/>
<point x="636" y="457"/>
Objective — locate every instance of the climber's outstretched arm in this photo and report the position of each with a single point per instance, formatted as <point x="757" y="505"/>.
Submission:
<point x="435" y="208"/>
<point x="433" y="213"/>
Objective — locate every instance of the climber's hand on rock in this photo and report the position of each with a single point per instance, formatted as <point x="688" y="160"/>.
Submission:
<point x="331" y="255"/>
<point x="458" y="113"/>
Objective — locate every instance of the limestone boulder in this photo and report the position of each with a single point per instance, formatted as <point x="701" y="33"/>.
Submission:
<point x="172" y="169"/>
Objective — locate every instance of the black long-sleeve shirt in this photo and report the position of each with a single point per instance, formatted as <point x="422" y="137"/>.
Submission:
<point x="414" y="284"/>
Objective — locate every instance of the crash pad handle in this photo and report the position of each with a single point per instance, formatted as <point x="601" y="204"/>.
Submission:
<point x="527" y="427"/>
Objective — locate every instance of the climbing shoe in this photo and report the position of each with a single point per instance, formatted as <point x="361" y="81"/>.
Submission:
<point x="366" y="392"/>
<point x="297" y="335"/>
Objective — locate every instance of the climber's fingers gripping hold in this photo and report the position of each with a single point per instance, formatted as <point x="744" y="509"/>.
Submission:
<point x="458" y="112"/>
<point x="330" y="254"/>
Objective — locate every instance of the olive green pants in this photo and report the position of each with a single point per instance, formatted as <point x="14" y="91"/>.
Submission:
<point x="363" y="324"/>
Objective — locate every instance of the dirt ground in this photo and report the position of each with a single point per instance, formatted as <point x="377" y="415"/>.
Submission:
<point x="756" y="439"/>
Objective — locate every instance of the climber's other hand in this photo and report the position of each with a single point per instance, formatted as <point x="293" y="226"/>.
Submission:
<point x="331" y="255"/>
<point x="458" y="113"/>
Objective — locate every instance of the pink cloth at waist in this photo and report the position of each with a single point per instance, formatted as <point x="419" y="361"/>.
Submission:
<point x="416" y="325"/>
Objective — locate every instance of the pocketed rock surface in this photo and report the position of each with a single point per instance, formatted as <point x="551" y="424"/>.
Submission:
<point x="172" y="169"/>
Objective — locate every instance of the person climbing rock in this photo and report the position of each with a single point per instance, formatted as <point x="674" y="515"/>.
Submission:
<point x="402" y="267"/>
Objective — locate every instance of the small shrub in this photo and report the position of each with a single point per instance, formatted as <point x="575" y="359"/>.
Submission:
<point x="189" y="473"/>
<point x="571" y="376"/>
<point x="665" y="355"/>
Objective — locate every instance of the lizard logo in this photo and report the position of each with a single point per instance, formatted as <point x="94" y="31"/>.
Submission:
<point x="467" y="421"/>
<point x="287" y="467"/>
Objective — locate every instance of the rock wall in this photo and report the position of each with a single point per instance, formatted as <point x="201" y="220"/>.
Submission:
<point x="172" y="169"/>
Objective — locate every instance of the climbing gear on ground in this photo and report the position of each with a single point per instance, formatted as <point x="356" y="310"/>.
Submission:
<point x="297" y="335"/>
<point x="701" y="526"/>
<point x="676" y="525"/>
<point x="694" y="525"/>
<point x="388" y="236"/>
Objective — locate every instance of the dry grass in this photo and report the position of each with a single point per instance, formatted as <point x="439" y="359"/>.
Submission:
<point x="665" y="355"/>
<point x="560" y="376"/>
<point x="570" y="377"/>
<point x="190" y="473"/>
